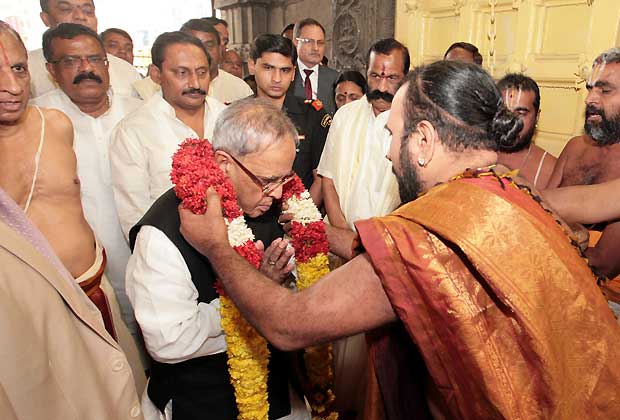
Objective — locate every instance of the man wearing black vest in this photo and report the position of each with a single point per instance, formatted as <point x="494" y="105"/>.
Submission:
<point x="171" y="285"/>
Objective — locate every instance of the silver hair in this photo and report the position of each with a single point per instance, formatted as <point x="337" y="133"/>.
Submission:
<point x="250" y="125"/>
<point x="612" y="55"/>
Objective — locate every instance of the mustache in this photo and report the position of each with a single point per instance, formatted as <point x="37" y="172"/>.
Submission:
<point x="86" y="76"/>
<point x="592" y="110"/>
<point x="377" y="94"/>
<point x="191" y="91"/>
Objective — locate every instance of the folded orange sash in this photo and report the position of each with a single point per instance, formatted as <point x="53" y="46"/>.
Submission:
<point x="92" y="288"/>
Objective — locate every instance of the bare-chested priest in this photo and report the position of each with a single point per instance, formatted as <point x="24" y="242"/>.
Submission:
<point x="40" y="175"/>
<point x="593" y="158"/>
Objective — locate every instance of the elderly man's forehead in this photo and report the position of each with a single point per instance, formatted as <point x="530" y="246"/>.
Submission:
<point x="12" y="50"/>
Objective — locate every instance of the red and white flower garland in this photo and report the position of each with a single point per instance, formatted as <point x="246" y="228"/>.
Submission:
<point x="194" y="171"/>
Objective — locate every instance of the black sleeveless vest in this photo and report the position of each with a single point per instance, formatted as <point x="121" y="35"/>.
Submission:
<point x="200" y="388"/>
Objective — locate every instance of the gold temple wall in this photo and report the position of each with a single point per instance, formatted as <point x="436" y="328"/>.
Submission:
<point x="552" y="41"/>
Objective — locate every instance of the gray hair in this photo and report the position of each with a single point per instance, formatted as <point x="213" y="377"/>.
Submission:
<point x="250" y="125"/>
<point x="612" y="55"/>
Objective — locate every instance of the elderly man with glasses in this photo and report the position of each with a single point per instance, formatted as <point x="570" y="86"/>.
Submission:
<point x="312" y="80"/>
<point x="171" y="285"/>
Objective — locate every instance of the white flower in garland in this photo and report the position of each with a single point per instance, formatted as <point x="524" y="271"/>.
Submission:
<point x="303" y="208"/>
<point x="239" y="232"/>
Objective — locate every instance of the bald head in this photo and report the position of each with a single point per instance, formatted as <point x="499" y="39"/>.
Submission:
<point x="14" y="76"/>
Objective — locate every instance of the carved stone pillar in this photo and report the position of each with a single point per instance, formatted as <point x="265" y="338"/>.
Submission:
<point x="246" y="20"/>
<point x="357" y="25"/>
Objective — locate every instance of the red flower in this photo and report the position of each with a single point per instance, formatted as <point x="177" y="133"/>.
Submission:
<point x="194" y="171"/>
<point x="308" y="241"/>
<point x="292" y="188"/>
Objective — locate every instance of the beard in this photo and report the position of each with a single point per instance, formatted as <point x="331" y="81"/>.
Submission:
<point x="524" y="141"/>
<point x="409" y="184"/>
<point x="605" y="132"/>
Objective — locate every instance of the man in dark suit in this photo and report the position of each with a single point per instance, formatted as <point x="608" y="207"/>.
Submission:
<point x="312" y="80"/>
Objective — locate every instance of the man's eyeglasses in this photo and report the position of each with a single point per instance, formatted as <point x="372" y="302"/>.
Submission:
<point x="71" y="62"/>
<point x="315" y="42"/>
<point x="266" y="187"/>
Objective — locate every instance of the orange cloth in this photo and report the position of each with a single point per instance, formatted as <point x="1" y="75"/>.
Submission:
<point x="92" y="287"/>
<point x="502" y="312"/>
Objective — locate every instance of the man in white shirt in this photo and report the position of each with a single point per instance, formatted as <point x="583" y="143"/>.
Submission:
<point x="85" y="96"/>
<point x="53" y="12"/>
<point x="171" y="285"/>
<point x="358" y="183"/>
<point x="312" y="80"/>
<point x="144" y="142"/>
<point x="224" y="87"/>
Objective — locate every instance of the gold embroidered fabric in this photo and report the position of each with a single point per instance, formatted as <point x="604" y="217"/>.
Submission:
<point x="505" y="312"/>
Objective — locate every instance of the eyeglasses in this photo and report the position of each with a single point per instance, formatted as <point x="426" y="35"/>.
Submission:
<point x="266" y="187"/>
<point x="71" y="62"/>
<point x="315" y="42"/>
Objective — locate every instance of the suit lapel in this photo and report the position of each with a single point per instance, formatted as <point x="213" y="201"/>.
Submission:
<point x="71" y="294"/>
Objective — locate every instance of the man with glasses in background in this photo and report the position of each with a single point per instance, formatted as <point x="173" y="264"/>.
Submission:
<point x="82" y="12"/>
<point x="77" y="60"/>
<point x="171" y="285"/>
<point x="312" y="80"/>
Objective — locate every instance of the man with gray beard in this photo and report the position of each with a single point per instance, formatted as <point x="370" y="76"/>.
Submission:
<point x="593" y="158"/>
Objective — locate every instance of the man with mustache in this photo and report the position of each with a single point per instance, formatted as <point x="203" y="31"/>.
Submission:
<point x="77" y="61"/>
<point x="593" y="158"/>
<point x="477" y="304"/>
<point x="47" y="315"/>
<point x="313" y="80"/>
<point x="522" y="96"/>
<point x="358" y="183"/>
<point x="223" y="86"/>
<point x="144" y="142"/>
<point x="82" y="12"/>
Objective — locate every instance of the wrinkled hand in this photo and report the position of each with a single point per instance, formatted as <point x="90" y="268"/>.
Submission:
<point x="276" y="259"/>
<point x="205" y="232"/>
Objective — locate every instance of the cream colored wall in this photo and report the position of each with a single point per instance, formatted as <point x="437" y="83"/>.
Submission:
<point x="552" y="41"/>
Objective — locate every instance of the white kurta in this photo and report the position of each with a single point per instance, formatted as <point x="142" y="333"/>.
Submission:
<point x="354" y="158"/>
<point x="91" y="144"/>
<point x="228" y="88"/>
<point x="122" y="75"/>
<point x="141" y="154"/>
<point x="175" y="326"/>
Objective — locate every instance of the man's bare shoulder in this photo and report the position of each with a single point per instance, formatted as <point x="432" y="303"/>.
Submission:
<point x="576" y="144"/>
<point x="58" y="126"/>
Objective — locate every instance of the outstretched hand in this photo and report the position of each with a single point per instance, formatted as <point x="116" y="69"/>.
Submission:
<point x="205" y="231"/>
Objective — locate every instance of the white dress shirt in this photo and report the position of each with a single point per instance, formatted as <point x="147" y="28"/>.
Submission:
<point x="175" y="326"/>
<point x="228" y="88"/>
<point x="314" y="76"/>
<point x="91" y="144"/>
<point x="122" y="75"/>
<point x="141" y="154"/>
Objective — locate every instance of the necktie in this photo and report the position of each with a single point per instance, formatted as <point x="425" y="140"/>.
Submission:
<point x="307" y="84"/>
